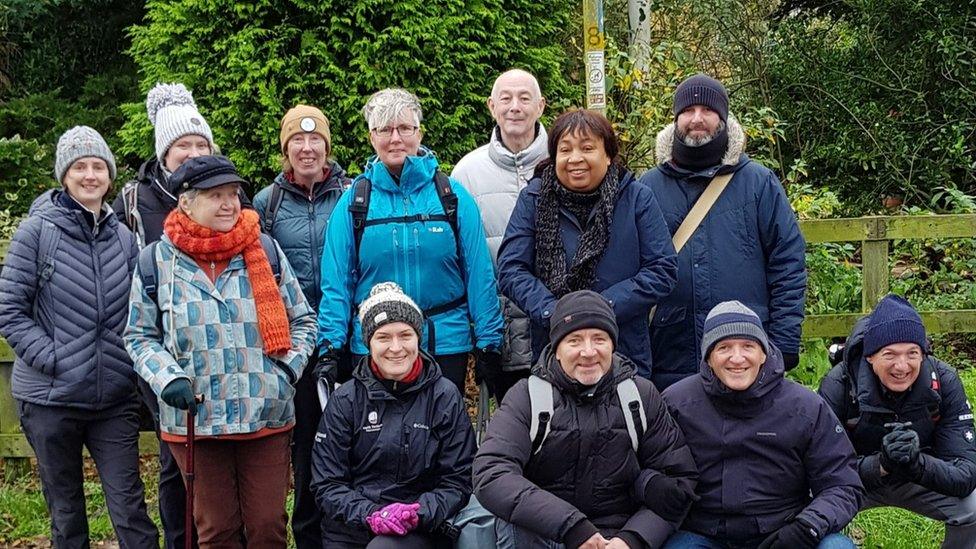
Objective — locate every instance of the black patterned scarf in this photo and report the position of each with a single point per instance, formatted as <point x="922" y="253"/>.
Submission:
<point x="550" y="256"/>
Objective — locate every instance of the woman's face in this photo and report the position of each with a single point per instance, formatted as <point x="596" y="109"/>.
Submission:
<point x="217" y="208"/>
<point x="396" y="141"/>
<point x="581" y="161"/>
<point x="394" y="348"/>
<point x="307" y="155"/>
<point x="185" y="148"/>
<point x="87" y="181"/>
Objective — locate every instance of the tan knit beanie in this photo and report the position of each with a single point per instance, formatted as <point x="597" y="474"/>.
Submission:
<point x="303" y="118"/>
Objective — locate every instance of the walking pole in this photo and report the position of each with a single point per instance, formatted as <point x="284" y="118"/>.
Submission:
<point x="191" y="413"/>
<point x="483" y="411"/>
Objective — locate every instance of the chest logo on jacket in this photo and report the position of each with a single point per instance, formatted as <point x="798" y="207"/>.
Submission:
<point x="373" y="426"/>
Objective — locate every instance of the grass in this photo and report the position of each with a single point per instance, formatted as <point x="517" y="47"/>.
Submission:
<point x="24" y="520"/>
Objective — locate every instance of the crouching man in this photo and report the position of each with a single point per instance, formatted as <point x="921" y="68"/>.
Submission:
<point x="776" y="469"/>
<point x="584" y="453"/>
<point x="906" y="413"/>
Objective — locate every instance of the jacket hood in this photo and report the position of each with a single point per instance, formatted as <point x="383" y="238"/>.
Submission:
<point x="336" y="180"/>
<point x="752" y="400"/>
<point x="417" y="171"/>
<point x="549" y="369"/>
<point x="737" y="143"/>
<point x="536" y="152"/>
<point x="48" y="207"/>
<point x="429" y="374"/>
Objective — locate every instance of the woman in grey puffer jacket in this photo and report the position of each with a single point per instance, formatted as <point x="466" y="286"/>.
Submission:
<point x="64" y="293"/>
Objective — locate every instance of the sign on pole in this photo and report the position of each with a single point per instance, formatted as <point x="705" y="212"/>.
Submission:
<point x="593" y="51"/>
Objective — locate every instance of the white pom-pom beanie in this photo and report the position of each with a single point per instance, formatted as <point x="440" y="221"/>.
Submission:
<point x="174" y="114"/>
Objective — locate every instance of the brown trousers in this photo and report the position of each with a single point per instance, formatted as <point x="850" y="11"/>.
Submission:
<point x="240" y="485"/>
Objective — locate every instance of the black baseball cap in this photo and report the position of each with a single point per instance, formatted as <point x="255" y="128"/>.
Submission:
<point x="204" y="172"/>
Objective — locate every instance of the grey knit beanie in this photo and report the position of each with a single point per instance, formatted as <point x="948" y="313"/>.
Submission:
<point x="387" y="304"/>
<point x="732" y="319"/>
<point x="79" y="142"/>
<point x="173" y="113"/>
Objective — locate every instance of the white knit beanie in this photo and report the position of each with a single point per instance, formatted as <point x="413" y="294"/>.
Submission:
<point x="174" y="114"/>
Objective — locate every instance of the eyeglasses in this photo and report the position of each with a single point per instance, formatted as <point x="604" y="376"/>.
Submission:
<point x="404" y="130"/>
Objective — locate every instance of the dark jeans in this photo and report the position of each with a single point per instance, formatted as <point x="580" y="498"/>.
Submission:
<point x="306" y="517"/>
<point x="172" y="492"/>
<point x="57" y="435"/>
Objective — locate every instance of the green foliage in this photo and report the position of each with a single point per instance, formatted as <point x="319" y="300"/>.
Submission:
<point x="26" y="169"/>
<point x="247" y="63"/>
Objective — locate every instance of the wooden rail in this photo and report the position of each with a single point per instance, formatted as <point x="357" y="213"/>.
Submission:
<point x="874" y="234"/>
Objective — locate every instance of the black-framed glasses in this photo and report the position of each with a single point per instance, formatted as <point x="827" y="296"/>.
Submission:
<point x="404" y="130"/>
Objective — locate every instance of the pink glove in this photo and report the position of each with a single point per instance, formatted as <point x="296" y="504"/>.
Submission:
<point x="396" y="519"/>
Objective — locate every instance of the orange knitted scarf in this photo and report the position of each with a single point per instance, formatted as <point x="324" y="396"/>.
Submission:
<point x="205" y="243"/>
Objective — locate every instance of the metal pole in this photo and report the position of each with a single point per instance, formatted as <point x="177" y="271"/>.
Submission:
<point x="593" y="51"/>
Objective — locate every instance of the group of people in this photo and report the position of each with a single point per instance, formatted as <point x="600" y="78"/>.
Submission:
<point x="633" y="331"/>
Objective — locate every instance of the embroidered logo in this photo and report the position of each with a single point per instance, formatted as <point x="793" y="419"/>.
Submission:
<point x="969" y="436"/>
<point x="421" y="426"/>
<point x="380" y="317"/>
<point x="838" y="429"/>
<point x="436" y="229"/>
<point x="965" y="417"/>
<point x="373" y="426"/>
<point x="373" y="418"/>
<point x="765" y="434"/>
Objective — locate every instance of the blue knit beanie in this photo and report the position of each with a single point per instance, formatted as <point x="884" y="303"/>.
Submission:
<point x="732" y="319"/>
<point x="702" y="89"/>
<point x="894" y="320"/>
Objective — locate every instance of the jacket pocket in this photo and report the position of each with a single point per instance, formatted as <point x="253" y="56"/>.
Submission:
<point x="666" y="316"/>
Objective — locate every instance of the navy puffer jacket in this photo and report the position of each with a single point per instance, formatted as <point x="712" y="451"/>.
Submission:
<point x="64" y="318"/>
<point x="378" y="445"/>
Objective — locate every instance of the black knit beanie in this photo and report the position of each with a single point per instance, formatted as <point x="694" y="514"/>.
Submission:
<point x="702" y="89"/>
<point x="581" y="310"/>
<point x="894" y="320"/>
<point x="387" y="304"/>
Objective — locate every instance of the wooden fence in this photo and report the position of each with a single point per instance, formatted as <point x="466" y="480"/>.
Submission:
<point x="874" y="233"/>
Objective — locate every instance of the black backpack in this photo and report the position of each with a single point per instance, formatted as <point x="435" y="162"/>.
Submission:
<point x="149" y="269"/>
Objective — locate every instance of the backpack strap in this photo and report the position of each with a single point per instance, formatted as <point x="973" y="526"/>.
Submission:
<point x="634" y="414"/>
<point x="271" y="208"/>
<point x="359" y="208"/>
<point x="149" y="270"/>
<point x="47" y="247"/>
<point x="130" y="205"/>
<point x="540" y="400"/>
<point x="271" y="250"/>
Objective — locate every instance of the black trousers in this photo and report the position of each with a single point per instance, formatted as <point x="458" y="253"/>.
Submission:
<point x="57" y="435"/>
<point x="172" y="492"/>
<point x="306" y="517"/>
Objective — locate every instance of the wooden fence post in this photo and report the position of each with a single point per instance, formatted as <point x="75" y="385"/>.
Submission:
<point x="874" y="263"/>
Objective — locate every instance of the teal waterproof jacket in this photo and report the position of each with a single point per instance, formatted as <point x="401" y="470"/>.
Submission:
<point x="299" y="226"/>
<point x="420" y="256"/>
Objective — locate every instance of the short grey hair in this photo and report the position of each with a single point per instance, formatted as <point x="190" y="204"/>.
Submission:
<point x="386" y="106"/>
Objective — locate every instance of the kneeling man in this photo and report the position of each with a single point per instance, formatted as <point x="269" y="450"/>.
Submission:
<point x="776" y="469"/>
<point x="584" y="452"/>
<point x="906" y="413"/>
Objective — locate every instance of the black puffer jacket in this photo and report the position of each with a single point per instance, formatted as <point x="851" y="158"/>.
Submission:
<point x="378" y="445"/>
<point x="154" y="197"/>
<point x="586" y="470"/>
<point x="936" y="405"/>
<point x="64" y="317"/>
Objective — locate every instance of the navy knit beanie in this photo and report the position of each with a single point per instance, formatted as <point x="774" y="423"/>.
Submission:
<point x="702" y="89"/>
<point x="732" y="319"/>
<point x="894" y="320"/>
<point x="581" y="310"/>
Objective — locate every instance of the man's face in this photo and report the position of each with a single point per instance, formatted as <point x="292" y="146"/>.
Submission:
<point x="698" y="125"/>
<point x="897" y="365"/>
<point x="736" y="362"/>
<point x="516" y="105"/>
<point x="585" y="355"/>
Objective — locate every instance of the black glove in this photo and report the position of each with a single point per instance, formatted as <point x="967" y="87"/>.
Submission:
<point x="178" y="394"/>
<point x="487" y="367"/>
<point x="794" y="535"/>
<point x="900" y="453"/>
<point x="869" y="469"/>
<point x="664" y="496"/>
<point x="327" y="365"/>
<point x="791" y="360"/>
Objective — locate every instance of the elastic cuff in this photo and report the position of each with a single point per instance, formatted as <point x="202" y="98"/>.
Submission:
<point x="631" y="539"/>
<point x="579" y="533"/>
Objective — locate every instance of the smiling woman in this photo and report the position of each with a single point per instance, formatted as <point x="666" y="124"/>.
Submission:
<point x="584" y="224"/>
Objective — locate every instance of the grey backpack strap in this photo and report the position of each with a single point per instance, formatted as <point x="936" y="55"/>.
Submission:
<point x="634" y="415"/>
<point x="47" y="248"/>
<point x="540" y="399"/>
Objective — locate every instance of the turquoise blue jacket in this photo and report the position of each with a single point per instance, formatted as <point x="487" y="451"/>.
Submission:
<point x="420" y="256"/>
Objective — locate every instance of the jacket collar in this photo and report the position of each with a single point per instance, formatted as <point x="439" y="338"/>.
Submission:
<point x="536" y="152"/>
<point x="418" y="171"/>
<point x="57" y="207"/>
<point x="378" y="391"/>
<point x="733" y="153"/>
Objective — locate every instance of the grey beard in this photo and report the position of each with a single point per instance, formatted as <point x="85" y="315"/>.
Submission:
<point x="699" y="141"/>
